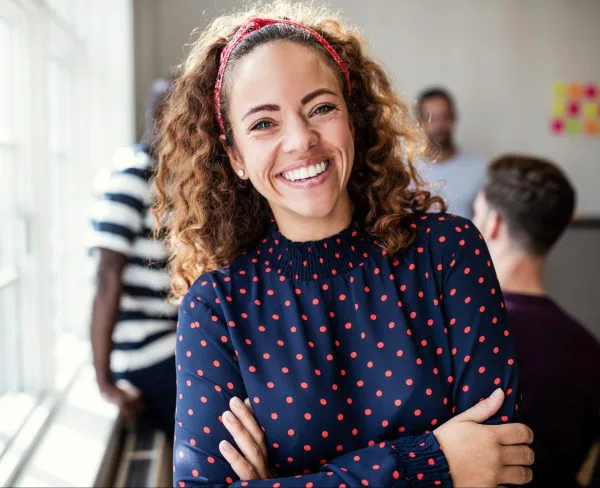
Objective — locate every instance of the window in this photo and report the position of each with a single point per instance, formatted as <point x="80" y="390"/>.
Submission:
<point x="10" y="200"/>
<point x="61" y="72"/>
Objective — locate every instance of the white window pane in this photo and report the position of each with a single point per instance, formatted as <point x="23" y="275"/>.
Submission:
<point x="8" y="209"/>
<point x="61" y="8"/>
<point x="10" y="340"/>
<point x="6" y="95"/>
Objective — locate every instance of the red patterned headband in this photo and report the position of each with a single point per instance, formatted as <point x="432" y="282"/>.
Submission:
<point x="254" y="25"/>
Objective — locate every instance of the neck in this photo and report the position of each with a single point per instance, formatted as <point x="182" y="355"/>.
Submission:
<point x="440" y="154"/>
<point x="299" y="228"/>
<point x="520" y="273"/>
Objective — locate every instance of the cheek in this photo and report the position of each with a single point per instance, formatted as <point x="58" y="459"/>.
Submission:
<point x="257" y="157"/>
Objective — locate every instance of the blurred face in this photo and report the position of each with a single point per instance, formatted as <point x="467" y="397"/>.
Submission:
<point x="291" y="130"/>
<point x="437" y="121"/>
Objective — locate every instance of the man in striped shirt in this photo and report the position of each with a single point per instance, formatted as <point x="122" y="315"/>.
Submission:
<point x="133" y="325"/>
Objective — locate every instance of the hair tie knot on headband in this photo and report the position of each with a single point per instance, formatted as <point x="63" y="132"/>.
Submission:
<point x="251" y="26"/>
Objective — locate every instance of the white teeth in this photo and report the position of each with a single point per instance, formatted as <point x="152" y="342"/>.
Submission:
<point x="306" y="172"/>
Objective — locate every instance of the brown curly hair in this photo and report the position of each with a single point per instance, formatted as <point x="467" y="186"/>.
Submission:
<point x="210" y="215"/>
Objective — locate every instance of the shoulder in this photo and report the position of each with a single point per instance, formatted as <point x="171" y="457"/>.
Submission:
<point x="447" y="238"/>
<point x="472" y="157"/>
<point x="241" y="273"/>
<point x="133" y="164"/>
<point x="444" y="230"/>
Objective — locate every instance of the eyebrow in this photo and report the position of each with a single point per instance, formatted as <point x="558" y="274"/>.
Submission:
<point x="270" y="107"/>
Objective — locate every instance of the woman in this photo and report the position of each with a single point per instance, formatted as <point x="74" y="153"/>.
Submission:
<point x="352" y="322"/>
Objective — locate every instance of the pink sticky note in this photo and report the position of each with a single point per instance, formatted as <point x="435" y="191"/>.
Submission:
<point x="573" y="107"/>
<point x="557" y="126"/>
<point x="590" y="90"/>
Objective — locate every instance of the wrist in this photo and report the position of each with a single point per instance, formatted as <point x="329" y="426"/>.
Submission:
<point x="423" y="460"/>
<point x="105" y="384"/>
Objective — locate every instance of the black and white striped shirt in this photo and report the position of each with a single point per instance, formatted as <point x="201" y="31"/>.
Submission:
<point x="122" y="222"/>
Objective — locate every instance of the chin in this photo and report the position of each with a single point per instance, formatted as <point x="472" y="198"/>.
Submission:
<point x="312" y="208"/>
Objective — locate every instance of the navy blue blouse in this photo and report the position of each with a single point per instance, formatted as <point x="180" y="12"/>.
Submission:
<point x="349" y="356"/>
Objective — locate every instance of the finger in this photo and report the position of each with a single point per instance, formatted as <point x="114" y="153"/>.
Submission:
<point x="520" y="455"/>
<point x="245" y="415"/>
<point x="245" y="442"/>
<point x="512" y="434"/>
<point x="248" y="404"/>
<point x="516" y="475"/>
<point x="483" y="410"/>
<point x="238" y="463"/>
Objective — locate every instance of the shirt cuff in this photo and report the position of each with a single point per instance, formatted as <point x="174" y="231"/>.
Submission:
<point x="423" y="460"/>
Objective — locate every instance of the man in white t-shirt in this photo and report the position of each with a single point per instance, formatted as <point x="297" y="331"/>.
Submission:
<point x="451" y="172"/>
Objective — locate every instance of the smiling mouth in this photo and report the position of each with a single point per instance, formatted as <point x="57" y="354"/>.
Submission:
<point x="306" y="173"/>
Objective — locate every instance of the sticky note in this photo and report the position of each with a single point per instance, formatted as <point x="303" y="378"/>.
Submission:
<point x="560" y="90"/>
<point x="557" y="126"/>
<point x="590" y="90"/>
<point x="575" y="90"/>
<point x="573" y="126"/>
<point x="558" y="109"/>
<point x="590" y="109"/>
<point x="591" y="126"/>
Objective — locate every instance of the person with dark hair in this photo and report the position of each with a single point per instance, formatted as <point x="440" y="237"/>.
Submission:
<point x="132" y="323"/>
<point x="523" y="209"/>
<point x="455" y="173"/>
<point x="332" y="332"/>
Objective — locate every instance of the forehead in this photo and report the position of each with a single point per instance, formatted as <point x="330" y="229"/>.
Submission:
<point x="279" y="69"/>
<point x="436" y="104"/>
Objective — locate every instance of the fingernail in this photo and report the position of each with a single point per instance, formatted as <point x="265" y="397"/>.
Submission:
<point x="496" y="393"/>
<point x="229" y="417"/>
<point x="225" y="446"/>
<point x="235" y="402"/>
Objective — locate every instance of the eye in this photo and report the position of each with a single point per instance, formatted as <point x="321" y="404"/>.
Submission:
<point x="323" y="109"/>
<point x="261" y="125"/>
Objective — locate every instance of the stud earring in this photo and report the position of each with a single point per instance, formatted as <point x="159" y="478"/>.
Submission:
<point x="241" y="173"/>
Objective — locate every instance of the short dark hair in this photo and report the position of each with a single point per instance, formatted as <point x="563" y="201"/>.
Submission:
<point x="434" y="92"/>
<point x="535" y="198"/>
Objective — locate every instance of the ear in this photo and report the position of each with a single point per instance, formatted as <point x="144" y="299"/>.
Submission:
<point x="234" y="157"/>
<point x="495" y="224"/>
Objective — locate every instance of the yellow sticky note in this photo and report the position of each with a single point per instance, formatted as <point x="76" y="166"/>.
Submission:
<point x="573" y="126"/>
<point x="590" y="109"/>
<point x="558" y="109"/>
<point x="560" y="90"/>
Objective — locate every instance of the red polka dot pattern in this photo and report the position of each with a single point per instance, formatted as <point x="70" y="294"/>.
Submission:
<point x="351" y="357"/>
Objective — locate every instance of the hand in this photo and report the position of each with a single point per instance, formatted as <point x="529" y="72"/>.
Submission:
<point x="486" y="455"/>
<point x="252" y="463"/>
<point x="130" y="403"/>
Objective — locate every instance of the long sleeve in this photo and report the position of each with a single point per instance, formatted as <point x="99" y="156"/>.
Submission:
<point x="208" y="375"/>
<point x="483" y="353"/>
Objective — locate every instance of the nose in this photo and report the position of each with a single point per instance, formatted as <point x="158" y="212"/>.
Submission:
<point x="299" y="136"/>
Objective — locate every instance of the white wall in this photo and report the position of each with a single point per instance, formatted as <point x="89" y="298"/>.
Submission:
<point x="498" y="57"/>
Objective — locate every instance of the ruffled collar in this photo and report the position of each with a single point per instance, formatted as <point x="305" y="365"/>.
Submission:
<point x="317" y="260"/>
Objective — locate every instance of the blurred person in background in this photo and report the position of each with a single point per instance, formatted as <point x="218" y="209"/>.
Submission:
<point x="522" y="211"/>
<point x="132" y="324"/>
<point x="454" y="172"/>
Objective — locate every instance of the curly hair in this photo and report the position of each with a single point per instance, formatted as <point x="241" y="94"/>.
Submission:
<point x="210" y="215"/>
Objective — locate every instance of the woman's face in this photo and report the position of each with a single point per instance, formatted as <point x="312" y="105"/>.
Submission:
<point x="292" y="132"/>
